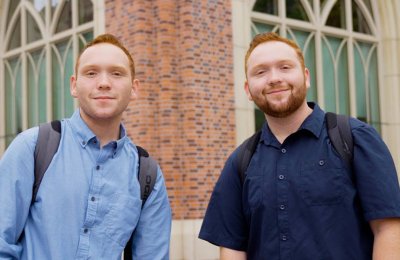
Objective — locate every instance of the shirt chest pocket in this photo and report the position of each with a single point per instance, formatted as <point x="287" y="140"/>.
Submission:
<point x="122" y="218"/>
<point x="321" y="184"/>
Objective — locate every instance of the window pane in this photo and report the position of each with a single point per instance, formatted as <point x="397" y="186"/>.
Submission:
<point x="369" y="6"/>
<point x="375" y="119"/>
<point x="306" y="42"/>
<point x="40" y="7"/>
<point x="9" y="108"/>
<point x="68" y="71"/>
<point x="54" y="4"/>
<point x="57" y="82"/>
<point x="337" y="16"/>
<point x="266" y="6"/>
<point x="13" y="101"/>
<point x="257" y="28"/>
<point x="84" y="38"/>
<point x="63" y="104"/>
<point x="295" y="10"/>
<point x="36" y="88"/>
<point x="334" y="51"/>
<point x="366" y="66"/>
<point x="32" y="29"/>
<point x="11" y="9"/>
<point x="322" y="3"/>
<point x="85" y="10"/>
<point x="359" y="22"/>
<point x="359" y="76"/>
<point x="65" y="20"/>
<point x="343" y="82"/>
<point x="16" y="35"/>
<point x="42" y="94"/>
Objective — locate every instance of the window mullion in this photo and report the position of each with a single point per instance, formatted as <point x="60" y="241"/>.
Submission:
<point x="282" y="15"/>
<point x="2" y="109"/>
<point x="24" y="81"/>
<point x="352" y="81"/>
<point x="319" y="69"/>
<point x="49" y="77"/>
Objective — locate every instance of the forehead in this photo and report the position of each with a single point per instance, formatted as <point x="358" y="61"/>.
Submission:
<point x="273" y="51"/>
<point x="104" y="54"/>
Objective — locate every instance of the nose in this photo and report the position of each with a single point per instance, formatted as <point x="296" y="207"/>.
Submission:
<point x="104" y="81"/>
<point x="274" y="77"/>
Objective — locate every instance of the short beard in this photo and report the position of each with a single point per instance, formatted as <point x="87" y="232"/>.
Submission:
<point x="293" y="104"/>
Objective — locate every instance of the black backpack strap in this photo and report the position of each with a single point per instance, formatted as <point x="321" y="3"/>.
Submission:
<point x="46" y="146"/>
<point x="339" y="132"/>
<point x="245" y="152"/>
<point x="147" y="176"/>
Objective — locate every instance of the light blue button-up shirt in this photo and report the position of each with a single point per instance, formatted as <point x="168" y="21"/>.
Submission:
<point x="88" y="203"/>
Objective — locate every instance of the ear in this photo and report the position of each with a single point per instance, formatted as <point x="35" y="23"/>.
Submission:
<point x="72" y="86"/>
<point x="247" y="89"/>
<point x="135" y="89"/>
<point x="307" y="77"/>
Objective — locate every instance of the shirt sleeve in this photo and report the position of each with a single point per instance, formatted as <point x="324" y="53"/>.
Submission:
<point x="224" y="223"/>
<point x="153" y="231"/>
<point x="375" y="175"/>
<point x="16" y="183"/>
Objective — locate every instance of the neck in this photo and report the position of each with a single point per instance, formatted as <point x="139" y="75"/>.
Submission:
<point x="105" y="130"/>
<point x="283" y="127"/>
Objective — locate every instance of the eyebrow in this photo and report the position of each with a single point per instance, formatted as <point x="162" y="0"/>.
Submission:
<point x="113" y="67"/>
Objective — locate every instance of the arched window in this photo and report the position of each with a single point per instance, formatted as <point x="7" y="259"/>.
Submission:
<point x="40" y="41"/>
<point x="340" y="40"/>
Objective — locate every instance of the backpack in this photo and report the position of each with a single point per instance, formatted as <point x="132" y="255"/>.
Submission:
<point x="339" y="133"/>
<point x="47" y="145"/>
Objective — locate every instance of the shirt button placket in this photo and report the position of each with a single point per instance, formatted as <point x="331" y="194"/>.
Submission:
<point x="282" y="202"/>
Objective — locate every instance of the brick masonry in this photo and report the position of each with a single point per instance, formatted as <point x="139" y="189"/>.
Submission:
<point x="184" y="116"/>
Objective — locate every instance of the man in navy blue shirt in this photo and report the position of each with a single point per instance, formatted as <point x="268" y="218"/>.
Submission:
<point x="299" y="199"/>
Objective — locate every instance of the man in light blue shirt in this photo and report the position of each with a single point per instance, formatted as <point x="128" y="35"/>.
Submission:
<point x="88" y="204"/>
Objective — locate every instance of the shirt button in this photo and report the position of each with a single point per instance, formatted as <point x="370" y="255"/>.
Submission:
<point x="281" y="177"/>
<point x="284" y="238"/>
<point x="321" y="163"/>
<point x="85" y="230"/>
<point x="98" y="167"/>
<point x="283" y="150"/>
<point x="95" y="141"/>
<point x="92" y="198"/>
<point x="282" y="207"/>
<point x="83" y="143"/>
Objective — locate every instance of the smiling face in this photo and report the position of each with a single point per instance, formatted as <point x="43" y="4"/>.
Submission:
<point x="103" y="83"/>
<point x="276" y="80"/>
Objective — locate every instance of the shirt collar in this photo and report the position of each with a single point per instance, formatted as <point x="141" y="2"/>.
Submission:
<point x="85" y="135"/>
<point x="313" y="124"/>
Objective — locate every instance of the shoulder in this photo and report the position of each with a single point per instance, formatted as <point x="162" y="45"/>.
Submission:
<point x="362" y="130"/>
<point x="25" y="140"/>
<point x="20" y="153"/>
<point x="369" y="145"/>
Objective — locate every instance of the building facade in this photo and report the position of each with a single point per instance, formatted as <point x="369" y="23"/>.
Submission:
<point x="192" y="110"/>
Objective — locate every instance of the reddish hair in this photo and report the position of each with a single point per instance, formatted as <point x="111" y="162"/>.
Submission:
<point x="111" y="39"/>
<point x="270" y="37"/>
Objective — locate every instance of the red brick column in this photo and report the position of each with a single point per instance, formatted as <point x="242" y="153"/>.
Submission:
<point x="185" y="115"/>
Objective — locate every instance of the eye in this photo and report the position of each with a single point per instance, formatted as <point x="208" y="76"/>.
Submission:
<point x="260" y="72"/>
<point x="117" y="73"/>
<point x="91" y="73"/>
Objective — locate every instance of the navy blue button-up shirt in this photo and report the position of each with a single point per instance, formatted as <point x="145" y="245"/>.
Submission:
<point x="299" y="200"/>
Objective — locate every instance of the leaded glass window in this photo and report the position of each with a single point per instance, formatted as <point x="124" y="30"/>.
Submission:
<point x="41" y="41"/>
